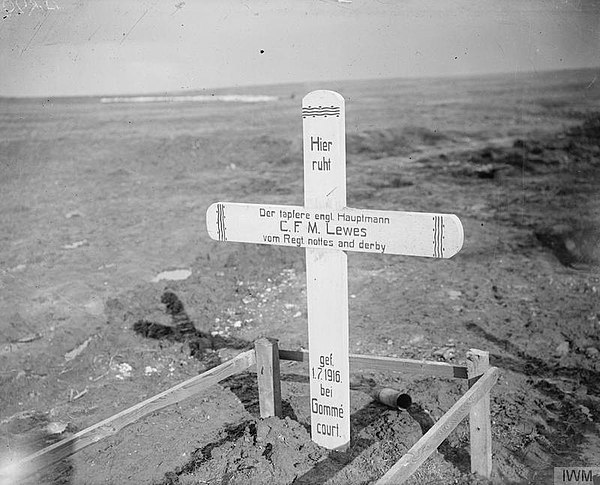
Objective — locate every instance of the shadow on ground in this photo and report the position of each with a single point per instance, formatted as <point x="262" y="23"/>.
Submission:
<point x="203" y="346"/>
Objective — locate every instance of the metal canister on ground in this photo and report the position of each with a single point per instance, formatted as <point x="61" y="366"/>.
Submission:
<point x="393" y="398"/>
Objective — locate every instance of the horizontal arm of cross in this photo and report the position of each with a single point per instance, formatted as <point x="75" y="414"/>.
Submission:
<point x="390" y="232"/>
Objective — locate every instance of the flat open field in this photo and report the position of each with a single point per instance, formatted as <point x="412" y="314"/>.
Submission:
<point x="97" y="199"/>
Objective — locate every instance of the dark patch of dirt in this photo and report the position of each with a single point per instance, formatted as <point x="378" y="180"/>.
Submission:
<point x="376" y="144"/>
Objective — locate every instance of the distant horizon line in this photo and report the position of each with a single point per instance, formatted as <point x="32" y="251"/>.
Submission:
<point x="219" y="91"/>
<point x="166" y="98"/>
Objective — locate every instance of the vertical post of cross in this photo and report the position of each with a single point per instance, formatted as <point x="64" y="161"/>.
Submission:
<point x="478" y="362"/>
<point x="327" y="228"/>
<point x="323" y="115"/>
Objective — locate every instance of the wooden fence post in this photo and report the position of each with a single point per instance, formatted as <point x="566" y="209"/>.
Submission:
<point x="267" y="372"/>
<point x="479" y="417"/>
<point x="430" y="441"/>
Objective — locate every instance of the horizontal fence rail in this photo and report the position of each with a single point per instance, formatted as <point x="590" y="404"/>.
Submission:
<point x="406" y="366"/>
<point x="423" y="448"/>
<point x="108" y="427"/>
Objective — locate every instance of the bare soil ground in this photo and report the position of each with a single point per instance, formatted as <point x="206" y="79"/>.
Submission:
<point x="96" y="200"/>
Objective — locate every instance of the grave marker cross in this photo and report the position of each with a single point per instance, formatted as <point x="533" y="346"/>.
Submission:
<point x="327" y="228"/>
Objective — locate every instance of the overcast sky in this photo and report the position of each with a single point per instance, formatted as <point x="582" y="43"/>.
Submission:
<point x="76" y="47"/>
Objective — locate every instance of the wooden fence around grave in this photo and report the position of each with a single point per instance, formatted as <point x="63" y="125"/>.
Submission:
<point x="266" y="355"/>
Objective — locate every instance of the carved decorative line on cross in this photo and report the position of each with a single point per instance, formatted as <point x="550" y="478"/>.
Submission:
<point x="438" y="237"/>
<point x="326" y="111"/>
<point x="221" y="222"/>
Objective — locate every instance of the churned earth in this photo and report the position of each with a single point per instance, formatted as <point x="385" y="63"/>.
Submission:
<point x="101" y="203"/>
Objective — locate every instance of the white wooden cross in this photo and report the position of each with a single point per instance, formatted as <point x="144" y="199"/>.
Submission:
<point x="327" y="229"/>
